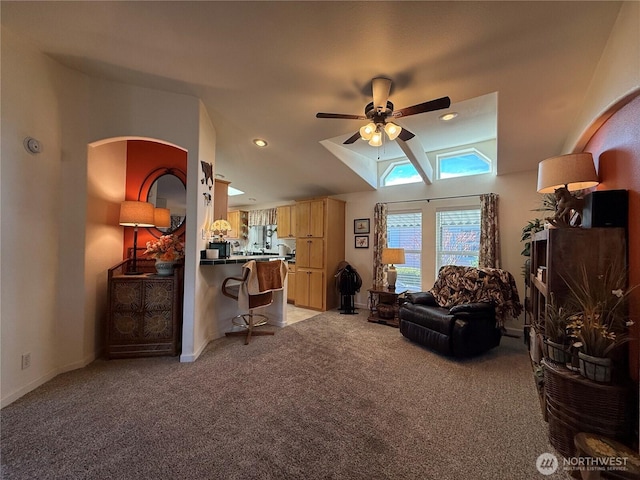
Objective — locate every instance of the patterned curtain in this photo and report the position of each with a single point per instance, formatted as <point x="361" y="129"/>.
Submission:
<point x="489" y="232"/>
<point x="262" y="217"/>
<point x="379" y="241"/>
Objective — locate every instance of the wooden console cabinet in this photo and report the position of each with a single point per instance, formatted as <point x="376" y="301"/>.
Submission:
<point x="144" y="313"/>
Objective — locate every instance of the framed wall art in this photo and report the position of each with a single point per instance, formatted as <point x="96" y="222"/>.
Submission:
<point x="361" y="225"/>
<point x="362" y="241"/>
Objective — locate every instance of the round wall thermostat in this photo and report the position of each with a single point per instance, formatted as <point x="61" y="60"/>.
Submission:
<point x="32" y="145"/>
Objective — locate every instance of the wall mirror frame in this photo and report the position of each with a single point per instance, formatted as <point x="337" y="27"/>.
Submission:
<point x="166" y="188"/>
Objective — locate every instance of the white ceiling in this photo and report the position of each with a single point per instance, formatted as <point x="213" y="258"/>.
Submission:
<point x="263" y="69"/>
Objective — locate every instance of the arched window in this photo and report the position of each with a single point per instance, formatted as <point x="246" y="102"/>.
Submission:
<point x="399" y="173"/>
<point x="462" y="163"/>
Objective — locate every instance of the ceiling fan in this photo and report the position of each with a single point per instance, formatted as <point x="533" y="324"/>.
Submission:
<point x="380" y="111"/>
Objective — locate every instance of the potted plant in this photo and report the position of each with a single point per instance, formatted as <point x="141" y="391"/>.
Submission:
<point x="166" y="250"/>
<point x="556" y="338"/>
<point x="599" y="322"/>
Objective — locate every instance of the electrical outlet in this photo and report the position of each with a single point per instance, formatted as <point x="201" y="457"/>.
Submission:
<point x="26" y="360"/>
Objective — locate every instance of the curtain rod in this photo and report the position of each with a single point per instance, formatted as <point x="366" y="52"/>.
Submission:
<point x="437" y="198"/>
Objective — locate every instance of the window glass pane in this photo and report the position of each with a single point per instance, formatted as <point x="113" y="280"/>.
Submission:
<point x="457" y="237"/>
<point x="401" y="173"/>
<point x="404" y="230"/>
<point x="462" y="164"/>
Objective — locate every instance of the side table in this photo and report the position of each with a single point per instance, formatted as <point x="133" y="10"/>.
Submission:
<point x="384" y="305"/>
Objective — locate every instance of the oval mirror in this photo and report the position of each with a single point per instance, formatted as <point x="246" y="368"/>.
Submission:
<point x="168" y="191"/>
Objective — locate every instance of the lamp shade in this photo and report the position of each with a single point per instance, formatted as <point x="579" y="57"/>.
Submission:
<point x="162" y="217"/>
<point x="575" y="170"/>
<point x="392" y="256"/>
<point x="392" y="130"/>
<point x="221" y="225"/>
<point x="367" y="131"/>
<point x="376" y="138"/>
<point x="136" y="214"/>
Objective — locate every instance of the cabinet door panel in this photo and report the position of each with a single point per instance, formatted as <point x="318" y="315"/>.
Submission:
<point x="316" y="291"/>
<point x="316" y="219"/>
<point x="283" y="218"/>
<point x="303" y="217"/>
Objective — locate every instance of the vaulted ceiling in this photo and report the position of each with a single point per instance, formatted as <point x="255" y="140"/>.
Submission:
<point x="263" y="69"/>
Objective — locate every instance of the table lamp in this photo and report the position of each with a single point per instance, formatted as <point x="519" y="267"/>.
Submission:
<point x="389" y="257"/>
<point x="162" y="218"/>
<point x="572" y="172"/>
<point x="136" y="214"/>
<point x="220" y="228"/>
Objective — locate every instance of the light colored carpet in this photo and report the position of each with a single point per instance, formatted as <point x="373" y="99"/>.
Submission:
<point x="331" y="397"/>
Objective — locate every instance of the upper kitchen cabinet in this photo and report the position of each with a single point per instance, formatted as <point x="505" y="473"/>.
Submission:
<point x="220" y="199"/>
<point x="286" y="218"/>
<point x="310" y="218"/>
<point x="239" y="221"/>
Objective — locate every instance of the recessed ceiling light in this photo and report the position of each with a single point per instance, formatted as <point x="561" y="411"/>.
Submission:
<point x="448" y="116"/>
<point x="219" y="175"/>
<point x="260" y="142"/>
<point x="251" y="199"/>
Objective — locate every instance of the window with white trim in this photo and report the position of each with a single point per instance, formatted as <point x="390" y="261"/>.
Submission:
<point x="457" y="237"/>
<point x="462" y="163"/>
<point x="404" y="230"/>
<point x="400" y="173"/>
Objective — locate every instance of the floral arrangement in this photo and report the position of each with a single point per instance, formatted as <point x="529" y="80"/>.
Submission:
<point x="599" y="320"/>
<point x="167" y="247"/>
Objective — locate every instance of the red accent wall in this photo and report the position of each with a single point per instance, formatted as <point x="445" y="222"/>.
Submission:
<point x="616" y="150"/>
<point x="143" y="157"/>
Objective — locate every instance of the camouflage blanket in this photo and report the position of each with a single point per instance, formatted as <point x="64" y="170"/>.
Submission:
<point x="458" y="285"/>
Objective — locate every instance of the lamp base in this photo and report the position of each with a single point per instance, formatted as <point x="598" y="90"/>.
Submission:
<point x="392" y="276"/>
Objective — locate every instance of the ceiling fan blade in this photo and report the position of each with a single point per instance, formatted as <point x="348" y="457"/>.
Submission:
<point x="437" y="104"/>
<point x="381" y="88"/>
<point x="405" y="135"/>
<point x="352" y="139"/>
<point x="341" y="115"/>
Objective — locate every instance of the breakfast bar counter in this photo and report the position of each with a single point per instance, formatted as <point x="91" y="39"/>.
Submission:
<point x="224" y="308"/>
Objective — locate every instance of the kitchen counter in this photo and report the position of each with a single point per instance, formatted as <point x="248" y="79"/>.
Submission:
<point x="225" y="308"/>
<point x="243" y="259"/>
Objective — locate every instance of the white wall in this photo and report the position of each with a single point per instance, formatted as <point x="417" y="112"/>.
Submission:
<point x="106" y="180"/>
<point x="617" y="76"/>
<point x="518" y="198"/>
<point x="49" y="263"/>
<point x="202" y="330"/>
<point x="30" y="205"/>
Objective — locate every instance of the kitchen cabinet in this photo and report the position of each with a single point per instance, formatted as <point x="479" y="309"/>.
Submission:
<point x="220" y="199"/>
<point x="320" y="230"/>
<point x="239" y="221"/>
<point x="310" y="252"/>
<point x="309" y="288"/>
<point x="310" y="218"/>
<point x="291" y="283"/>
<point x="286" y="219"/>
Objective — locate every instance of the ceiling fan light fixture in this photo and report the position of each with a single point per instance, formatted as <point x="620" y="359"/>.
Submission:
<point x="376" y="138"/>
<point x="367" y="131"/>
<point x="392" y="130"/>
